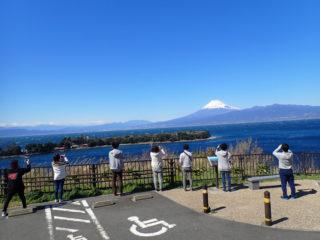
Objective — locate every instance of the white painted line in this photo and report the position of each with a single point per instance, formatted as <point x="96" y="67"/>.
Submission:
<point x="85" y="204"/>
<point x="67" y="229"/>
<point x="67" y="210"/>
<point x="49" y="221"/>
<point x="76" y="203"/>
<point x="100" y="229"/>
<point x="72" y="219"/>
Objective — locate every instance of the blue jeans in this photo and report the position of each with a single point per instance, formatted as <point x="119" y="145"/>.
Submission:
<point x="286" y="176"/>
<point x="223" y="175"/>
<point x="58" y="187"/>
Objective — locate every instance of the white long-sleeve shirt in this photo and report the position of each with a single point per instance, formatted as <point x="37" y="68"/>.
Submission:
<point x="156" y="160"/>
<point x="224" y="160"/>
<point x="59" y="169"/>
<point x="285" y="158"/>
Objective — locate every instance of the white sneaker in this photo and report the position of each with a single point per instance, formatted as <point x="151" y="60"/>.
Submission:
<point x="56" y="200"/>
<point x="4" y="214"/>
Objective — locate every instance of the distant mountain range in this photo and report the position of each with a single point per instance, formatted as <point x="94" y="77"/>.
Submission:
<point x="215" y="112"/>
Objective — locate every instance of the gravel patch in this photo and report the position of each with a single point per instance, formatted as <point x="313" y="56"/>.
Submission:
<point x="245" y="205"/>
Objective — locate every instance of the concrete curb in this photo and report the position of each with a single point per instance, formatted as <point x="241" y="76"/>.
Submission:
<point x="102" y="204"/>
<point x="141" y="197"/>
<point x="19" y="212"/>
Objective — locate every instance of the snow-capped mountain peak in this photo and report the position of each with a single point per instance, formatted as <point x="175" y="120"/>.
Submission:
<point x="217" y="104"/>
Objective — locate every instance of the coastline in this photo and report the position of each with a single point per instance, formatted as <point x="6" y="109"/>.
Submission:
<point x="106" y="146"/>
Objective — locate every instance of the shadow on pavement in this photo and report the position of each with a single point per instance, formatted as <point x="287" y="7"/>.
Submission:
<point x="218" y="209"/>
<point x="304" y="192"/>
<point x="279" y="220"/>
<point x="240" y="186"/>
<point x="276" y="186"/>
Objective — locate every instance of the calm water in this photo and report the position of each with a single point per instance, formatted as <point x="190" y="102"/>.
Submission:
<point x="300" y="135"/>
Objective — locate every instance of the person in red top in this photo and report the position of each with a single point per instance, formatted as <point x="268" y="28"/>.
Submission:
<point x="13" y="178"/>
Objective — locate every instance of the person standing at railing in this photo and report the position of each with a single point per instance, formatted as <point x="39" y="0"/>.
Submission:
<point x="285" y="169"/>
<point x="13" y="178"/>
<point x="224" y="164"/>
<point x="116" y="165"/>
<point x="59" y="174"/>
<point x="186" y="164"/>
<point x="156" y="155"/>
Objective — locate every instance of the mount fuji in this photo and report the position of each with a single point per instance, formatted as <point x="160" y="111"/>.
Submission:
<point x="201" y="117"/>
<point x="217" y="112"/>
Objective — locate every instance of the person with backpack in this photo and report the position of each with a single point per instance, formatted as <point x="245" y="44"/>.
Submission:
<point x="185" y="160"/>
<point x="224" y="164"/>
<point x="285" y="170"/>
<point x="13" y="179"/>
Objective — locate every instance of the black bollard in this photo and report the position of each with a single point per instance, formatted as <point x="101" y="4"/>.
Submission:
<point x="206" y="208"/>
<point x="267" y="208"/>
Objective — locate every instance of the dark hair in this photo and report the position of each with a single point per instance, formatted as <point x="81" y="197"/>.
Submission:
<point x="285" y="147"/>
<point x="115" y="145"/>
<point x="186" y="147"/>
<point x="155" y="149"/>
<point x="56" y="157"/>
<point x="224" y="146"/>
<point x="14" y="164"/>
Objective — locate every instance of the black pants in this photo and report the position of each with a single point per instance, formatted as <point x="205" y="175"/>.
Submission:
<point x="10" y="194"/>
<point x="114" y="179"/>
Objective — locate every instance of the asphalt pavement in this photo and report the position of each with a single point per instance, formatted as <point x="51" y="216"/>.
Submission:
<point x="155" y="218"/>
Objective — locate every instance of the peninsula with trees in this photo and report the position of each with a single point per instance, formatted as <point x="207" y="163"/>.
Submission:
<point x="83" y="141"/>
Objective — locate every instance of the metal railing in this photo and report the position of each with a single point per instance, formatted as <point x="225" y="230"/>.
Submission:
<point x="90" y="176"/>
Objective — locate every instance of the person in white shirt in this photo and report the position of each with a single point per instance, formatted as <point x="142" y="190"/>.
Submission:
<point x="59" y="170"/>
<point x="156" y="155"/>
<point x="285" y="169"/>
<point x="186" y="164"/>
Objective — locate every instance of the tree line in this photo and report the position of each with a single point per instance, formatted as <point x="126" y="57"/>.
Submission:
<point x="81" y="141"/>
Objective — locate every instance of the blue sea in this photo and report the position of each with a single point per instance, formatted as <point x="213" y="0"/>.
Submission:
<point x="302" y="136"/>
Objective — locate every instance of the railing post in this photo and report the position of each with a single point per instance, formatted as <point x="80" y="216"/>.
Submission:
<point x="94" y="180"/>
<point x="1" y="184"/>
<point x="241" y="167"/>
<point x="171" y="163"/>
<point x="217" y="175"/>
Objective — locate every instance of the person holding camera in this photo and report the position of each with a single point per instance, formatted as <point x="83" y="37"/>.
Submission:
<point x="59" y="170"/>
<point x="13" y="179"/>
<point x="186" y="164"/>
<point x="156" y="155"/>
<point x="116" y="165"/>
<point x="285" y="169"/>
<point x="224" y="164"/>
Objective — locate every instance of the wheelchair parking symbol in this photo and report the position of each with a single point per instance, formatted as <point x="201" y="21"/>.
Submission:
<point x="147" y="224"/>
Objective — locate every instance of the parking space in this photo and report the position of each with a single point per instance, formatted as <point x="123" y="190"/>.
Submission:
<point x="155" y="218"/>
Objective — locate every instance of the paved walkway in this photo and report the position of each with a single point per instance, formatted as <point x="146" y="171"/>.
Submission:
<point x="155" y="218"/>
<point x="245" y="205"/>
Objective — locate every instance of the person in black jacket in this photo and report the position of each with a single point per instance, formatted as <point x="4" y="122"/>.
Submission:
<point x="13" y="178"/>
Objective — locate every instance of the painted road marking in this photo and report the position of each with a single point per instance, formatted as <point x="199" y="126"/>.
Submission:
<point x="76" y="203"/>
<point x="146" y="224"/>
<point x="67" y="229"/>
<point x="71" y="219"/>
<point x="100" y="229"/>
<point x="49" y="221"/>
<point x="80" y="237"/>
<point x="67" y="210"/>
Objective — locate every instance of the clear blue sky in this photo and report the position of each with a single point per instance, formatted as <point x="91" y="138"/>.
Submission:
<point x="85" y="61"/>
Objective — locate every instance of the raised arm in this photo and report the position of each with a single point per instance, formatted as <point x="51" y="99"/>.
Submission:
<point x="276" y="151"/>
<point x="26" y="170"/>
